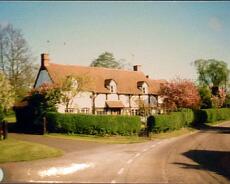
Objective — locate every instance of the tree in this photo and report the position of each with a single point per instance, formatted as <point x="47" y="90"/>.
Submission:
<point x="6" y="94"/>
<point x="45" y="98"/>
<point x="206" y="97"/>
<point x="71" y="86"/>
<point x="106" y="60"/>
<point x="16" y="60"/>
<point x="212" y="73"/>
<point x="179" y="93"/>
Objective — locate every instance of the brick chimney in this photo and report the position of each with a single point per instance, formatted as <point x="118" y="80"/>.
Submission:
<point x="137" y="68"/>
<point x="44" y="60"/>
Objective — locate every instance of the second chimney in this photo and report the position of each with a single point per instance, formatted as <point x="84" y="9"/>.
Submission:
<point x="44" y="60"/>
<point x="137" y="68"/>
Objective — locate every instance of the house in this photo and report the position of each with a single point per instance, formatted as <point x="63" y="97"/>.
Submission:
<point x="111" y="91"/>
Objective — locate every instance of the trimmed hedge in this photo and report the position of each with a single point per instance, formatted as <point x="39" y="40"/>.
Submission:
<point x="93" y="124"/>
<point x="172" y="121"/>
<point x="213" y="115"/>
<point x="185" y="118"/>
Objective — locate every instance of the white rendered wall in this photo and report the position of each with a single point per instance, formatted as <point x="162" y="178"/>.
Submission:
<point x="82" y="100"/>
<point x="100" y="101"/>
<point x="112" y="97"/>
<point x="125" y="100"/>
<point x="134" y="101"/>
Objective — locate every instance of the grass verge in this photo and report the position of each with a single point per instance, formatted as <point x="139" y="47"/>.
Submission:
<point x="101" y="139"/>
<point x="175" y="133"/>
<point x="13" y="150"/>
<point x="128" y="139"/>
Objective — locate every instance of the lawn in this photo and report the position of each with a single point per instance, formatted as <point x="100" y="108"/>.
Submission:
<point x="101" y="139"/>
<point x="13" y="150"/>
<point x="169" y="134"/>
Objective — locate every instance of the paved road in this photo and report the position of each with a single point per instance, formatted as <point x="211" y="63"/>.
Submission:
<point x="202" y="157"/>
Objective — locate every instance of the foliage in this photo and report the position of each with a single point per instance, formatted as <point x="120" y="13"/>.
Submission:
<point x="39" y="101"/>
<point x="179" y="93"/>
<point x="45" y="97"/>
<point x="212" y="73"/>
<point x="93" y="124"/>
<point x="213" y="115"/>
<point x="185" y="118"/>
<point x="172" y="121"/>
<point x="71" y="86"/>
<point x="206" y="97"/>
<point x="144" y="109"/>
<point x="106" y="60"/>
<point x="16" y="60"/>
<point x="7" y="94"/>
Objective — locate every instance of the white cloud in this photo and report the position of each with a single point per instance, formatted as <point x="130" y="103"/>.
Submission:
<point x="215" y="24"/>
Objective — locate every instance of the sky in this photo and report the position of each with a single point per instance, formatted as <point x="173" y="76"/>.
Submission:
<point x="163" y="37"/>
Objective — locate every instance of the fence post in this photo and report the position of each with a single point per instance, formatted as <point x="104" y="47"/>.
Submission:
<point x="44" y="125"/>
<point x="5" y="130"/>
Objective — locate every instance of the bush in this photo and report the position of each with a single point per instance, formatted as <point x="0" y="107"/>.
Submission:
<point x="93" y="124"/>
<point x="212" y="115"/>
<point x="177" y="120"/>
<point x="172" y="121"/>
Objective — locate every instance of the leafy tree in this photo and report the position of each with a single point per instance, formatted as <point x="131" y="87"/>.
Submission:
<point x="71" y="86"/>
<point x="179" y="93"/>
<point x="16" y="60"/>
<point x="45" y="98"/>
<point x="106" y="60"/>
<point x="6" y="94"/>
<point x="212" y="73"/>
<point x="206" y="97"/>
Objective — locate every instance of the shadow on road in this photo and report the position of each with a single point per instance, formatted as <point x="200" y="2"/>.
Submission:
<point x="214" y="161"/>
<point x="214" y="129"/>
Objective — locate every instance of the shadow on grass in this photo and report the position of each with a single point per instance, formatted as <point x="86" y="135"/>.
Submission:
<point x="214" y="161"/>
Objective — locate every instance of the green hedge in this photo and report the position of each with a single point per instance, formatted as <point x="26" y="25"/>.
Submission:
<point x="212" y="115"/>
<point x="172" y="121"/>
<point x="177" y="120"/>
<point x="93" y="124"/>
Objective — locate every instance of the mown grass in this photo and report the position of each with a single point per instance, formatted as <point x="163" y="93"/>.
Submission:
<point x="13" y="150"/>
<point x="169" y="134"/>
<point x="101" y="139"/>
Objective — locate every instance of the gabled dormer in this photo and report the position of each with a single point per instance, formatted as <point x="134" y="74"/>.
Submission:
<point x="111" y="85"/>
<point x="143" y="87"/>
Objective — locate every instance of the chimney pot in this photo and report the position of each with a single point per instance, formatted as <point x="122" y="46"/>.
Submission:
<point x="137" y="68"/>
<point x="44" y="60"/>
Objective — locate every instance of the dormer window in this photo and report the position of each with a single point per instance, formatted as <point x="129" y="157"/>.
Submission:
<point x="143" y="86"/>
<point x="111" y="85"/>
<point x="143" y="90"/>
<point x="111" y="89"/>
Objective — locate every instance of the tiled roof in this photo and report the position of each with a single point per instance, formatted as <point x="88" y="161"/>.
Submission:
<point x="126" y="80"/>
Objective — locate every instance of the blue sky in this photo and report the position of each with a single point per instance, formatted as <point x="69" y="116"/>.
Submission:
<point x="164" y="37"/>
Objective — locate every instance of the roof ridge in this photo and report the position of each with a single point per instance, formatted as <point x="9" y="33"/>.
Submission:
<point x="97" y="68"/>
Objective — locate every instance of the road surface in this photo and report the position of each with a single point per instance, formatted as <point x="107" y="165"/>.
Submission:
<point x="201" y="157"/>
